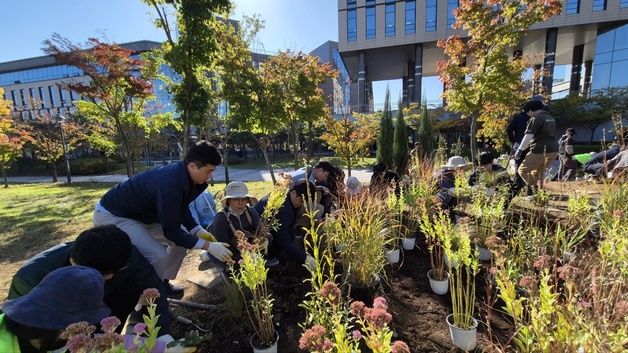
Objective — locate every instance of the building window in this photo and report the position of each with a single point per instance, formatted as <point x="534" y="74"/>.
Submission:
<point x="599" y="5"/>
<point x="352" y="25"/>
<point x="351" y="2"/>
<point x="22" y="98"/>
<point x="370" y="22"/>
<point x="41" y="98"/>
<point x="13" y="99"/>
<point x="623" y="3"/>
<point x="390" y="20"/>
<point x="610" y="63"/>
<point x="572" y="7"/>
<point x="52" y="99"/>
<point x="430" y="15"/>
<point x="451" y="6"/>
<point x="411" y="16"/>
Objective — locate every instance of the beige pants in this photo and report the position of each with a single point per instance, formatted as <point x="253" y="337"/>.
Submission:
<point x="149" y="239"/>
<point x="534" y="165"/>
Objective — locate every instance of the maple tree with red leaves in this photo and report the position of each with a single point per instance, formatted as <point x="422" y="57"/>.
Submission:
<point x="483" y="82"/>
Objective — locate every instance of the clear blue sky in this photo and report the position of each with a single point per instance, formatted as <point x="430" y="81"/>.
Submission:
<point x="290" y="24"/>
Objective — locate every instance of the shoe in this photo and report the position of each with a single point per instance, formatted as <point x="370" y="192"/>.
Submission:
<point x="172" y="291"/>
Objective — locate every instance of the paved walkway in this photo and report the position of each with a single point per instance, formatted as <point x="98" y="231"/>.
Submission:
<point x="364" y="175"/>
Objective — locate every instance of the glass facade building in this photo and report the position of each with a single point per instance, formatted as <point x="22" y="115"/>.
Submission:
<point x="610" y="64"/>
<point x="370" y="22"/>
<point x="599" y="5"/>
<point x="430" y="15"/>
<point x="410" y="17"/>
<point x="451" y="6"/>
<point x="390" y="19"/>
<point x="352" y="25"/>
<point x="39" y="74"/>
<point x="572" y="7"/>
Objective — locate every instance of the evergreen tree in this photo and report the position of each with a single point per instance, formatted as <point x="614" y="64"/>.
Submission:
<point x="426" y="134"/>
<point x="400" y="145"/>
<point x="385" y="138"/>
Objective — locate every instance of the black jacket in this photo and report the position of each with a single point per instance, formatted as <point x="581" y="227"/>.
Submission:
<point x="122" y="292"/>
<point x="284" y="235"/>
<point x="517" y="127"/>
<point x="160" y="195"/>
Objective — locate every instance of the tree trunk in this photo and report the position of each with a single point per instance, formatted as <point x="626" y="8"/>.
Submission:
<point x="472" y="142"/>
<point x="186" y="135"/>
<point x="294" y="131"/>
<point x="54" y="172"/>
<point x="349" y="164"/>
<point x="4" y="176"/>
<point x="225" y="162"/>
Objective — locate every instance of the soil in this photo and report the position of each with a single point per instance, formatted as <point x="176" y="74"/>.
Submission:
<point x="418" y="314"/>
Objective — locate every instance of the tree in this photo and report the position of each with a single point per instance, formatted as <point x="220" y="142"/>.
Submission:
<point x="400" y="143"/>
<point x="426" y="133"/>
<point x="189" y="55"/>
<point x="350" y="139"/>
<point x="118" y="87"/>
<point x="386" y="131"/>
<point x="483" y="82"/>
<point x="47" y="143"/>
<point x="294" y="98"/>
<point x="12" y="138"/>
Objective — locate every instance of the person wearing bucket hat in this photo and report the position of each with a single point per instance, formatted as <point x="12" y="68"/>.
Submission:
<point x="237" y="214"/>
<point x="445" y="179"/>
<point x="32" y="323"/>
<point x="354" y="186"/>
<point x="153" y="209"/>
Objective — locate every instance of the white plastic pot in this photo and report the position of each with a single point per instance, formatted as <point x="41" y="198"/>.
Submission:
<point x="439" y="287"/>
<point x="393" y="256"/>
<point x="463" y="339"/>
<point x="271" y="349"/>
<point x="408" y="243"/>
<point x="484" y="254"/>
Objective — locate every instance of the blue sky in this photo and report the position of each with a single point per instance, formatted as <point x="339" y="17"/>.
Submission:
<point x="290" y="24"/>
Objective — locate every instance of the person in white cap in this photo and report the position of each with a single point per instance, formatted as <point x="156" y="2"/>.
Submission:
<point x="446" y="181"/>
<point x="238" y="214"/>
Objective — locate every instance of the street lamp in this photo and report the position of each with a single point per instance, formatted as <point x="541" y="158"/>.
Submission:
<point x="65" y="148"/>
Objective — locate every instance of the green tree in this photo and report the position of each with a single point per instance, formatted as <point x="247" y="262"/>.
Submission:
<point x="12" y="138"/>
<point x="386" y="132"/>
<point x="189" y="54"/>
<point x="400" y="143"/>
<point x="426" y="133"/>
<point x="118" y="88"/>
<point x="483" y="83"/>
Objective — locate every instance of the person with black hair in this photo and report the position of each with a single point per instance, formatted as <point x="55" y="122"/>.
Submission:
<point x="152" y="208"/>
<point x="543" y="147"/>
<point x="302" y="192"/>
<point x="383" y="178"/>
<point x="108" y="250"/>
<point x="486" y="166"/>
<point x="33" y="323"/>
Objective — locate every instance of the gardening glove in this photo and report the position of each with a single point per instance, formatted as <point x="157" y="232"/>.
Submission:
<point x="518" y="154"/>
<point x="219" y="250"/>
<point x="310" y="263"/>
<point x="205" y="235"/>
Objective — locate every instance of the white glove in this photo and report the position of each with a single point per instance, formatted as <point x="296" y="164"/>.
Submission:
<point x="518" y="154"/>
<point x="205" y="235"/>
<point x="263" y="244"/>
<point x="219" y="250"/>
<point x="452" y="192"/>
<point x="310" y="263"/>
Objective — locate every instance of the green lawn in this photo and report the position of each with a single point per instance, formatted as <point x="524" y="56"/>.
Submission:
<point x="286" y="162"/>
<point x="34" y="217"/>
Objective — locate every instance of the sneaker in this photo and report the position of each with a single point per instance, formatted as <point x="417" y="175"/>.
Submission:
<point x="173" y="291"/>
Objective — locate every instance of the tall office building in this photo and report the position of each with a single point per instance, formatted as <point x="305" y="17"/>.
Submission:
<point x="585" y="47"/>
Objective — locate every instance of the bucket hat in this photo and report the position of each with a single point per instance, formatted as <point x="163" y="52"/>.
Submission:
<point x="236" y="190"/>
<point x="65" y="296"/>
<point x="456" y="162"/>
<point x="354" y="186"/>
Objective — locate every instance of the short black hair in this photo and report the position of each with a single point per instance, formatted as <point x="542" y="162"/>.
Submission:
<point x="533" y="105"/>
<point x="380" y="167"/>
<point x="485" y="158"/>
<point x="104" y="248"/>
<point x="25" y="333"/>
<point x="203" y="153"/>
<point x="305" y="188"/>
<point x="324" y="165"/>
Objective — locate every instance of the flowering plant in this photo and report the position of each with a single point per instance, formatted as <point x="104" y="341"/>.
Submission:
<point x="250" y="277"/>
<point x="374" y="324"/>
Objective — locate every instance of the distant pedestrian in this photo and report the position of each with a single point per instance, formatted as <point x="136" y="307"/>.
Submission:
<point x="565" y="155"/>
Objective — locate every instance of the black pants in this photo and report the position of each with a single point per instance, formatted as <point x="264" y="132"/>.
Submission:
<point x="517" y="183"/>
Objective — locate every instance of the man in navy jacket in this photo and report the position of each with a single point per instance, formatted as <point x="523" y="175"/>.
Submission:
<point x="153" y="209"/>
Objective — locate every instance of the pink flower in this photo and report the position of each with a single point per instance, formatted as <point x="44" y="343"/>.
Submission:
<point x="109" y="323"/>
<point x="313" y="338"/>
<point x="139" y="328"/>
<point x="150" y="295"/>
<point x="79" y="343"/>
<point x="379" y="318"/>
<point x="542" y="262"/>
<point x="528" y="282"/>
<point x="618" y="213"/>
<point x="567" y="271"/>
<point x="399" y="347"/>
<point x="327" y="345"/>
<point x="106" y="341"/>
<point x="356" y="335"/>
<point x="357" y="308"/>
<point x="331" y="292"/>
<point x="76" y="329"/>
<point x="380" y="303"/>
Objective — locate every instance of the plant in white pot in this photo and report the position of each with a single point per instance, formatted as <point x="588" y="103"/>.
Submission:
<point x="435" y="228"/>
<point x="463" y="268"/>
<point x="397" y="208"/>
<point x="490" y="218"/>
<point x="250" y="276"/>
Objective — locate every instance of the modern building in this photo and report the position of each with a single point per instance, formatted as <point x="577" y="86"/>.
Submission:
<point x="336" y="91"/>
<point x="585" y="47"/>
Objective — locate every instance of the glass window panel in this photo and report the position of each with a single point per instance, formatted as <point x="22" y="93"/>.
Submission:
<point x="621" y="37"/>
<point x="599" y="5"/>
<point x="620" y="55"/>
<point x="619" y="74"/>
<point x="451" y="6"/>
<point x="603" y="58"/>
<point x="430" y="15"/>
<point x="390" y="20"/>
<point x="352" y="25"/>
<point x="370" y="22"/>
<point x="410" y="17"/>
<point x="623" y="3"/>
<point x="601" y="76"/>
<point x="605" y="42"/>
<point x="572" y="7"/>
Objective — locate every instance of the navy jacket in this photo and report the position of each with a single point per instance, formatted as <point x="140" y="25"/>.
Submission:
<point x="122" y="292"/>
<point x="517" y="127"/>
<point x="284" y="235"/>
<point x="160" y="195"/>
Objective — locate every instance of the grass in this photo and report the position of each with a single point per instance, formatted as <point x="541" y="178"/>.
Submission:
<point x="35" y="217"/>
<point x="286" y="162"/>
